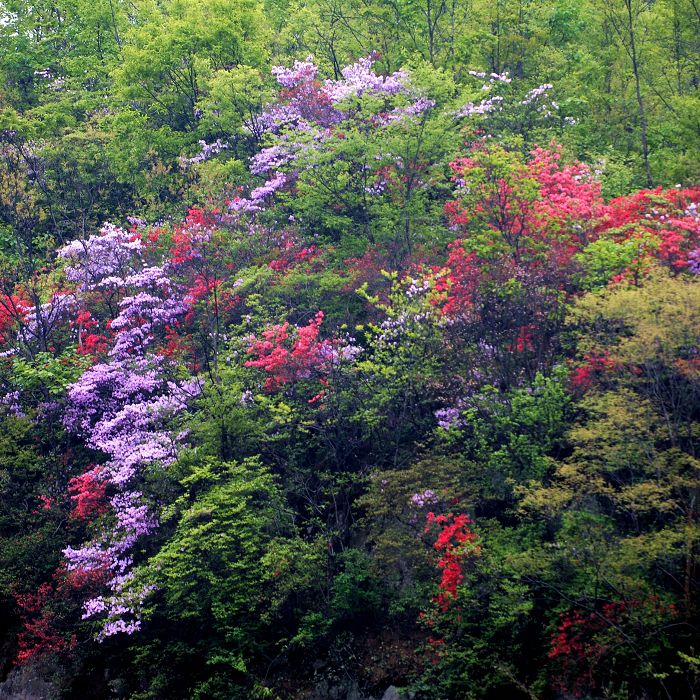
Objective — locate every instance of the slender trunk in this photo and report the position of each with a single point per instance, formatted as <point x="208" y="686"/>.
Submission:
<point x="115" y="28"/>
<point x="689" y="573"/>
<point x="640" y="100"/>
<point x="453" y="10"/>
<point x="496" y="65"/>
<point x="678" y="49"/>
<point x="431" y="32"/>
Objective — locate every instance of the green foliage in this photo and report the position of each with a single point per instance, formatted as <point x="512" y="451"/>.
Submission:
<point x="378" y="182"/>
<point x="513" y="435"/>
<point x="25" y="531"/>
<point x="210" y="570"/>
<point x="605" y="258"/>
<point x="293" y="556"/>
<point x="173" y="47"/>
<point x="46" y="372"/>
<point x="356" y="592"/>
<point x="233" y="96"/>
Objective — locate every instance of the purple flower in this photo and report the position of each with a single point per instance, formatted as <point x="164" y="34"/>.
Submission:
<point x="486" y="106"/>
<point x="123" y="408"/>
<point x="301" y="72"/>
<point x="207" y="151"/>
<point x="536" y="93"/>
<point x="11" y="401"/>
<point x="270" y="158"/>
<point x="102" y="261"/>
<point x="427" y="497"/>
<point x="448" y="418"/>
<point x="694" y="261"/>
<point x="359" y="78"/>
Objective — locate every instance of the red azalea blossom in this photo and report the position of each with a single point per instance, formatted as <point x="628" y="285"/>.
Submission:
<point x="583" y="378"/>
<point x="451" y="542"/>
<point x="87" y="492"/>
<point x="284" y="364"/>
<point x="41" y="628"/>
<point x="584" y="638"/>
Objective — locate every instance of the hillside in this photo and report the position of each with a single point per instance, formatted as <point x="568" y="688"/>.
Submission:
<point x="349" y="350"/>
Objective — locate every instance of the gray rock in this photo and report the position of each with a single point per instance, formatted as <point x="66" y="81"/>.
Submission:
<point x="26" y="683"/>
<point x="343" y="691"/>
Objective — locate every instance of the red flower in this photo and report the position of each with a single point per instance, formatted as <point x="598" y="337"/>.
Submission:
<point x="88" y="495"/>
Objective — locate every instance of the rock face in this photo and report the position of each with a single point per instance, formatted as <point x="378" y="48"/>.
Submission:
<point x="31" y="683"/>
<point x="344" y="691"/>
<point x="26" y="683"/>
<point x="349" y="691"/>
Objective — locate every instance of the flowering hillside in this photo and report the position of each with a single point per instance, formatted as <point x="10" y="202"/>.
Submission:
<point x="404" y="395"/>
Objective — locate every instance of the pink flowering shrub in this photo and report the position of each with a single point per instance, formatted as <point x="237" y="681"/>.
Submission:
<point x="87" y="492"/>
<point x="288" y="354"/>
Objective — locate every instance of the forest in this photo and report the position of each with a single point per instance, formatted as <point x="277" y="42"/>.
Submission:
<point x="349" y="349"/>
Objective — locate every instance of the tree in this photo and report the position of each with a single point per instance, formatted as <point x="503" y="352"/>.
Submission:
<point x="209" y="573"/>
<point x="170" y="50"/>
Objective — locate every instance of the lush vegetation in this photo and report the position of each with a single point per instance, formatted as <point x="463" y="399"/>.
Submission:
<point x="347" y="345"/>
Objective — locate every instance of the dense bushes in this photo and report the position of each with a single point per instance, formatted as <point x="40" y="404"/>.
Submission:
<point x="409" y="403"/>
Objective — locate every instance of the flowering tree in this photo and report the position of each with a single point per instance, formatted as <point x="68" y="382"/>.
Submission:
<point x="120" y="407"/>
<point x="306" y="356"/>
<point x="349" y="147"/>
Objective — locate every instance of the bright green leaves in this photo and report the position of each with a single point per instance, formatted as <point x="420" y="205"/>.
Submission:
<point x="605" y="257"/>
<point x="234" y="96"/>
<point x="209" y="574"/>
<point x="173" y="47"/>
<point x="48" y="373"/>
<point x="218" y="541"/>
